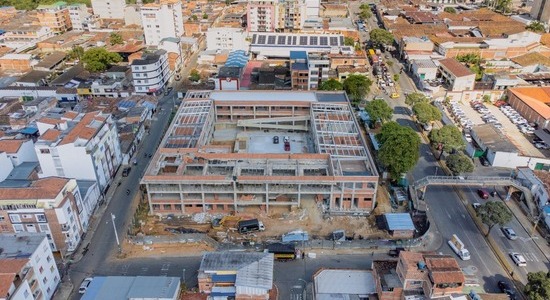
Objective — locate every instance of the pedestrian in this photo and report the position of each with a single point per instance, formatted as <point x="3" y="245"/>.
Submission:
<point x="303" y="255"/>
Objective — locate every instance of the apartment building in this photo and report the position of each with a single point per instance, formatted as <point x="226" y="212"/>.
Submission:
<point x="109" y="9"/>
<point x="541" y="11"/>
<point x="151" y="73"/>
<point x="319" y="69"/>
<point x="299" y="70"/>
<point x="292" y="15"/>
<point x="79" y="16"/>
<point x="83" y="146"/>
<point x="216" y="157"/>
<point x="262" y="15"/>
<point x="162" y="19"/>
<point x="23" y="36"/>
<point x="226" y="38"/>
<point x="55" y="16"/>
<point x="456" y="75"/>
<point x="27" y="267"/>
<point x="13" y="153"/>
<point x="58" y="207"/>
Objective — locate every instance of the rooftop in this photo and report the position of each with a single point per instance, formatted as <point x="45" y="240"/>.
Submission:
<point x="333" y="284"/>
<point x="51" y="61"/>
<point x="11" y="146"/>
<point x="399" y="221"/>
<point x="531" y="58"/>
<point x="19" y="245"/>
<point x="130" y="287"/>
<point x="455" y="67"/>
<point x="538" y="98"/>
<point x="149" y="58"/>
<point x="44" y="188"/>
<point x="493" y="139"/>
<point x="444" y="269"/>
<point x="34" y="76"/>
<point x="296" y="40"/>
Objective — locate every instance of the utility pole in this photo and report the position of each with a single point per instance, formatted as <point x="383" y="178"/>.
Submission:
<point x="116" y="234"/>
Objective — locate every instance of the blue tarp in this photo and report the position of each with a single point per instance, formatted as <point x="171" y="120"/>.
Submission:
<point x="295" y="236"/>
<point x="237" y="58"/>
<point x="29" y="130"/>
<point x="399" y="221"/>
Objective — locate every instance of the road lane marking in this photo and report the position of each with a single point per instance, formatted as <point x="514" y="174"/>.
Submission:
<point x="165" y="267"/>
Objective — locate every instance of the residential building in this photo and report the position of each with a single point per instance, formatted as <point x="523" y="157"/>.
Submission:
<point x="114" y="83"/>
<point x="228" y="79"/>
<point x="242" y="275"/>
<point x="541" y="11"/>
<point x="532" y="103"/>
<point x="222" y="38"/>
<point x="538" y="182"/>
<point x="456" y="75"/>
<point x="83" y="146"/>
<point x="343" y="284"/>
<point x="387" y="283"/>
<point x="173" y="47"/>
<point x="27" y="267"/>
<point x="18" y="151"/>
<point x="423" y="69"/>
<point x="324" y="158"/>
<point x="132" y="16"/>
<point x="291" y="15"/>
<point x="24" y="36"/>
<point x="429" y="275"/>
<point x="262" y="15"/>
<point x="55" y="16"/>
<point x="109" y="9"/>
<point x="312" y="8"/>
<point x="79" y="16"/>
<point x="162" y="19"/>
<point x="299" y="70"/>
<point x="346" y="56"/>
<point x="151" y="73"/>
<point x="414" y="45"/>
<point x="279" y="45"/>
<point x="319" y="67"/>
<point x="133" y="287"/>
<point x="16" y="63"/>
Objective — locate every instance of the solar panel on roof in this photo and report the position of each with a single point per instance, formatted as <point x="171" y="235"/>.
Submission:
<point x="323" y="41"/>
<point x="313" y="40"/>
<point x="303" y="40"/>
<point x="271" y="40"/>
<point x="333" y="41"/>
<point x="261" y="39"/>
<point x="254" y="36"/>
<point x="281" y="40"/>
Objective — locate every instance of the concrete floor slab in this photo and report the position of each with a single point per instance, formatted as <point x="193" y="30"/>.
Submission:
<point x="262" y="142"/>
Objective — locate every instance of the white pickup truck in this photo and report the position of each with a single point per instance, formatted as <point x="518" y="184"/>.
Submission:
<point x="458" y="247"/>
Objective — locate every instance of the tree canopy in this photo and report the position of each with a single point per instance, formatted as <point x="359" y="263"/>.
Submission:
<point x="494" y="213"/>
<point x="449" y="137"/>
<point x="380" y="36"/>
<point x="459" y="163"/>
<point x="413" y="98"/>
<point x="349" y="41"/>
<point x="538" y="286"/>
<point x="536" y="26"/>
<point x="33" y="4"/>
<point x="115" y="39"/>
<point x="98" y="59"/>
<point x="400" y="148"/>
<point x="378" y="109"/>
<point x="75" y="53"/>
<point x="357" y="87"/>
<point x="426" y="113"/>
<point x="331" y="85"/>
<point x="450" y="10"/>
<point x="194" y="75"/>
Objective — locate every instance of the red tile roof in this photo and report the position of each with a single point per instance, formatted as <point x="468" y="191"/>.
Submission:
<point x="444" y="269"/>
<point x="50" y="135"/>
<point x="8" y="269"/>
<point x="537" y="98"/>
<point x="84" y="129"/>
<point x="11" y="146"/>
<point x="455" y="67"/>
<point x="45" y="188"/>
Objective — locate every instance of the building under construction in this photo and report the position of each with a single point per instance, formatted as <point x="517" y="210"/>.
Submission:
<point x="234" y="150"/>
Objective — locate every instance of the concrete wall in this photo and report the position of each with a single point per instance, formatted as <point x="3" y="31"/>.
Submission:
<point x="6" y="166"/>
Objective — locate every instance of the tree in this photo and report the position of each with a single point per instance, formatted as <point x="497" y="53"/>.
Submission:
<point x="413" y="98"/>
<point x="98" y="59"/>
<point x="459" y="163"/>
<point x="399" y="150"/>
<point x="331" y="85"/>
<point x="450" y="10"/>
<point x="536" y="26"/>
<point x="538" y="286"/>
<point x="115" y="39"/>
<point x="396" y="77"/>
<point x="349" y="41"/>
<point x="380" y="36"/>
<point x="494" y="213"/>
<point x="194" y="18"/>
<point x="357" y="86"/>
<point x="470" y="58"/>
<point x="365" y="14"/>
<point x="426" y="113"/>
<point x="76" y="52"/>
<point x="378" y="109"/>
<point x="205" y="16"/>
<point x="194" y="75"/>
<point x="449" y="137"/>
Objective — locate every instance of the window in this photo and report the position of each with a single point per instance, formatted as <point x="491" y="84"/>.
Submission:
<point x="43" y="227"/>
<point x="45" y="280"/>
<point x="41" y="270"/>
<point x="15" y="218"/>
<point x="18" y="228"/>
<point x="49" y="258"/>
<point x="26" y="216"/>
<point x="40" y="218"/>
<point x="167" y="206"/>
<point x="1" y="218"/>
<point x="49" y="236"/>
<point x="55" y="279"/>
<point x="68" y="209"/>
<point x="44" y="151"/>
<point x="26" y="293"/>
<point x="52" y="269"/>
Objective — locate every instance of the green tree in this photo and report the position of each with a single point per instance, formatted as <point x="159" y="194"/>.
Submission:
<point x="426" y="113"/>
<point x="205" y="16"/>
<point x="494" y="213"/>
<point x="470" y="58"/>
<point x="413" y="98"/>
<point x="378" y="109"/>
<point x="98" y="59"/>
<point x="538" y="286"/>
<point x="76" y="53"/>
<point x="365" y="14"/>
<point x="449" y="137"/>
<point x="357" y="87"/>
<point x="396" y="77"/>
<point x="331" y="85"/>
<point x="194" y="75"/>
<point x="536" y="26"/>
<point x="349" y="41"/>
<point x="450" y="10"/>
<point x="503" y="5"/>
<point x="380" y="36"/>
<point x="459" y="163"/>
<point x="115" y="39"/>
<point x="194" y="18"/>
<point x="399" y="150"/>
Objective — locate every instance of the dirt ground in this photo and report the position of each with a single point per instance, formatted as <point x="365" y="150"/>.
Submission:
<point x="168" y="250"/>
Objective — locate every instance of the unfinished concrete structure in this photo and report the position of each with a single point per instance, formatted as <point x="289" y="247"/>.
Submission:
<point x="220" y="154"/>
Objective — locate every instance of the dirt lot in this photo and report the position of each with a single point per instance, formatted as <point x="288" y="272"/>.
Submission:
<point x="156" y="250"/>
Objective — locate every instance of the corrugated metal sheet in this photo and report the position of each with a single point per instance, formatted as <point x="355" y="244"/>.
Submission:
<point x="399" y="221"/>
<point x="223" y="291"/>
<point x="224" y="278"/>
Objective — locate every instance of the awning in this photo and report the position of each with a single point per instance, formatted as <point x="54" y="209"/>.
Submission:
<point x="29" y="130"/>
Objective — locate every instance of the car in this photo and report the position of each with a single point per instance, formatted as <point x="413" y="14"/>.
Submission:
<point x="518" y="259"/>
<point x="84" y="285"/>
<point x="468" y="137"/>
<point x="541" y="146"/>
<point x="509" y="233"/>
<point x="126" y="171"/>
<point x="484" y="162"/>
<point x="476" y="205"/>
<point x="275" y="140"/>
<point x="483" y="194"/>
<point x="505" y="288"/>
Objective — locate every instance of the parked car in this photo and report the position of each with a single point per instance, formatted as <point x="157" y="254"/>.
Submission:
<point x="541" y="146"/>
<point x="505" y="288"/>
<point x="126" y="171"/>
<point x="509" y="233"/>
<point x="476" y="205"/>
<point x="84" y="285"/>
<point x="518" y="259"/>
<point x="483" y="194"/>
<point x="484" y="162"/>
<point x="275" y="140"/>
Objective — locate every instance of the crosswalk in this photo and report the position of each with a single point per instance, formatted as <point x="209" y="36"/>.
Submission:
<point x="530" y="256"/>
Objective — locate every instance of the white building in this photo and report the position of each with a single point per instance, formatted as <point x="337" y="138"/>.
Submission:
<point x="151" y="72"/>
<point x="319" y="67"/>
<point x="79" y="16"/>
<point x="109" y="9"/>
<point x="161" y="20"/>
<point x="18" y="151"/>
<point x="80" y="146"/>
<point x="132" y="16"/>
<point x="312" y="8"/>
<point x="541" y="11"/>
<point x="28" y="267"/>
<point x="262" y="15"/>
<point x="226" y="38"/>
<point x="279" y="45"/>
<point x="456" y="75"/>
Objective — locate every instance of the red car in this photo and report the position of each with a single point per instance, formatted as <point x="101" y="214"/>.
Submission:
<point x="287" y="146"/>
<point x="483" y="194"/>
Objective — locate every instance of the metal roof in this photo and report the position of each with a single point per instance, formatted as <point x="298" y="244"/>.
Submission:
<point x="237" y="58"/>
<point x="399" y="221"/>
<point x="340" y="284"/>
<point x="132" y="287"/>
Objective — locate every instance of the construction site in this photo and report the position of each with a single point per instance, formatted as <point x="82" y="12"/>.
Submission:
<point x="262" y="153"/>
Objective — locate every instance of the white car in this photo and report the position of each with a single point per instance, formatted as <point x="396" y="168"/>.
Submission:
<point x="541" y="146"/>
<point x="518" y="259"/>
<point x="84" y="285"/>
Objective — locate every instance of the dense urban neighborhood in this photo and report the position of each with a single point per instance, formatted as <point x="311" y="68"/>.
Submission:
<point x="275" y="150"/>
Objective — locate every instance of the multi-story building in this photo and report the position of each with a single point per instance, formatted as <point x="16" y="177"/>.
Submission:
<point x="55" y="16"/>
<point x="299" y="71"/>
<point x="28" y="267"/>
<point x="456" y="75"/>
<point x="151" y="72"/>
<point x="292" y="15"/>
<point x="541" y="11"/>
<point x="23" y="36"/>
<point x="79" y="16"/>
<point x="319" y="68"/>
<point x="83" y="146"/>
<point x="13" y="153"/>
<point x="109" y="9"/>
<point x="162" y="19"/>
<point x="222" y="38"/>
<point x="262" y="15"/>
<point x="314" y="151"/>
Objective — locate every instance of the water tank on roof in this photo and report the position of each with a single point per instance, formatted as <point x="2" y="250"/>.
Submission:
<point x="421" y="265"/>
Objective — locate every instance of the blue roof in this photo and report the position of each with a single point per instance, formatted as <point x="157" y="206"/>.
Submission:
<point x="237" y="58"/>
<point x="126" y="104"/>
<point x="224" y="278"/>
<point x="29" y="130"/>
<point x="298" y="55"/>
<point x="132" y="287"/>
<point x="546" y="209"/>
<point x="299" y="66"/>
<point x="399" y="221"/>
<point x="148" y="105"/>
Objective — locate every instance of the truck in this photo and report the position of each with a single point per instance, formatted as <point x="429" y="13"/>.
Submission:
<point x="245" y="226"/>
<point x="458" y="247"/>
<point x="281" y="251"/>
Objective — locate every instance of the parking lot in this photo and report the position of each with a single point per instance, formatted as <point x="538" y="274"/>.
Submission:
<point x="466" y="116"/>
